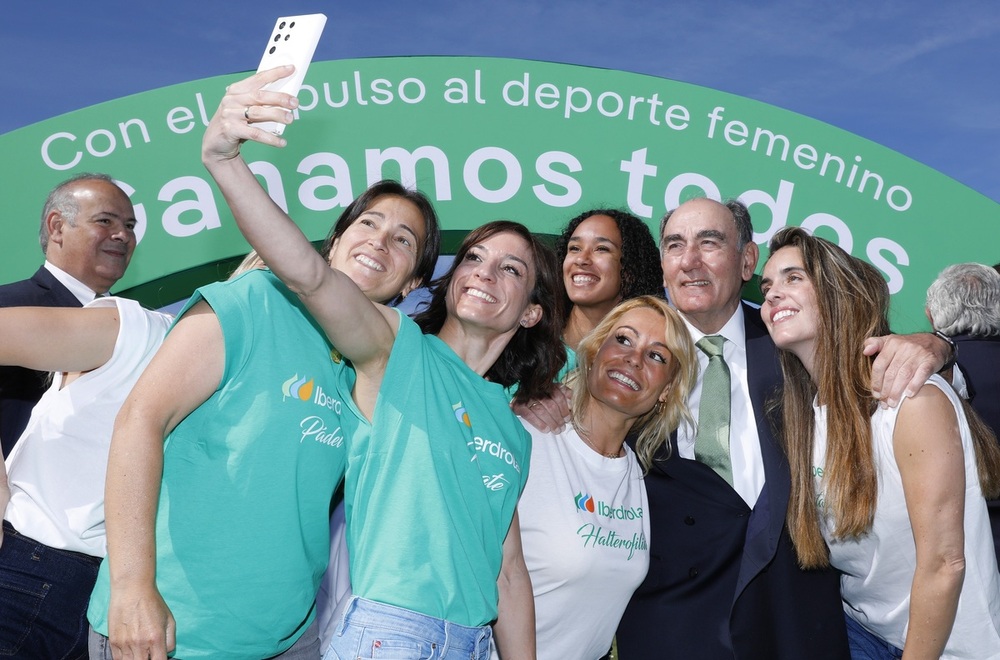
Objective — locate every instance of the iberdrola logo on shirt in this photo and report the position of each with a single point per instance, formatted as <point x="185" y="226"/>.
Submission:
<point x="461" y="414"/>
<point x="306" y="389"/>
<point x="494" y="458"/>
<point x="298" y="388"/>
<point x="586" y="502"/>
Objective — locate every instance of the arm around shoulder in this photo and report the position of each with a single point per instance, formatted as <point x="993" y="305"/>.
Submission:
<point x="904" y="363"/>
<point x="58" y="338"/>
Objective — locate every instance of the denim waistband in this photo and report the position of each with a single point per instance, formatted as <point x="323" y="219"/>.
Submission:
<point x="11" y="531"/>
<point x="449" y="635"/>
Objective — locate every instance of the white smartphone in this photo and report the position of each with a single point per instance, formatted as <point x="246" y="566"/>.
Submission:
<point x="293" y="41"/>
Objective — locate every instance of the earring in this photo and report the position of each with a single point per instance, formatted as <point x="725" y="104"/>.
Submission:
<point x="524" y="323"/>
<point x="658" y="408"/>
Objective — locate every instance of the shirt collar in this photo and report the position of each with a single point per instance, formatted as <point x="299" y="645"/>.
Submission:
<point x="734" y="330"/>
<point x="81" y="291"/>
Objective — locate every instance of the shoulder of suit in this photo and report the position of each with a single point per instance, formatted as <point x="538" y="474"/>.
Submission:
<point x="42" y="289"/>
<point x="19" y="293"/>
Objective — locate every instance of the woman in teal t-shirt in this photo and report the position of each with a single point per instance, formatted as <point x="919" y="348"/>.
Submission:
<point x="250" y="394"/>
<point x="491" y="315"/>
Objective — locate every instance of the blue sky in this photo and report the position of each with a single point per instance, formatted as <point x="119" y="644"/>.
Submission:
<point x="917" y="76"/>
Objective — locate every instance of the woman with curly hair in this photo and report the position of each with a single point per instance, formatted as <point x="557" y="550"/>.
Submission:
<point x="890" y="497"/>
<point x="607" y="256"/>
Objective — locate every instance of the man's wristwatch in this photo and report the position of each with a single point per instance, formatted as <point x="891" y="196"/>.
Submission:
<point x="954" y="350"/>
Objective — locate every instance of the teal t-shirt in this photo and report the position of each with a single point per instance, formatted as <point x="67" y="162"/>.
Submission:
<point x="242" y="529"/>
<point x="569" y="366"/>
<point x="432" y="484"/>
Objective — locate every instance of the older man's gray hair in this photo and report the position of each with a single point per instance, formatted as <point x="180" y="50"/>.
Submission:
<point x="965" y="299"/>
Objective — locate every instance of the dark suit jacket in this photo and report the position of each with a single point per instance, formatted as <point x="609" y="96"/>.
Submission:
<point x="723" y="579"/>
<point x="979" y="358"/>
<point x="20" y="389"/>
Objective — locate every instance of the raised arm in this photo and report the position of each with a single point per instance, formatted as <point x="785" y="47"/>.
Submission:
<point x="181" y="376"/>
<point x="361" y="330"/>
<point x="515" y="626"/>
<point x="931" y="462"/>
<point x="58" y="338"/>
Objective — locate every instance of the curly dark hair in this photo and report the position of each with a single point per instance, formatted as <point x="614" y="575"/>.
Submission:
<point x="534" y="355"/>
<point x="641" y="273"/>
<point x="387" y="187"/>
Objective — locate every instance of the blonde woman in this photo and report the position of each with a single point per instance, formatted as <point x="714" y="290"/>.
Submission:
<point x="584" y="516"/>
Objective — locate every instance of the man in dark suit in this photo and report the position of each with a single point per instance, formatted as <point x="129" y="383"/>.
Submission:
<point x="87" y="235"/>
<point x="723" y="579"/>
<point x="964" y="304"/>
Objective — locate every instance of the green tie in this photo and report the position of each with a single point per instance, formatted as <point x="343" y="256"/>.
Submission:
<point x="711" y="445"/>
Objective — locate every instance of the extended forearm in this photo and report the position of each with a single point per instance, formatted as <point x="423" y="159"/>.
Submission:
<point x="933" y="604"/>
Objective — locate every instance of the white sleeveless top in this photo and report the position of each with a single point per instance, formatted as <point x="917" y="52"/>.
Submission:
<point x="56" y="470"/>
<point x="878" y="568"/>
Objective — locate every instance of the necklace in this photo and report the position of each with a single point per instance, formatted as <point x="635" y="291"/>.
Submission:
<point x="617" y="454"/>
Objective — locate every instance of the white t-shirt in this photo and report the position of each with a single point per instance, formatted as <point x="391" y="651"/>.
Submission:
<point x="878" y="568"/>
<point x="56" y="470"/>
<point x="584" y="529"/>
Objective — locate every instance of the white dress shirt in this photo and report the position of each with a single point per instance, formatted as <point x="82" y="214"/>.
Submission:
<point x="82" y="292"/>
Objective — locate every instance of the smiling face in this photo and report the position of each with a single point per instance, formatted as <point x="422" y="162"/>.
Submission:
<point x="492" y="283"/>
<point x="592" y="267"/>
<point x="95" y="245"/>
<point x="633" y="367"/>
<point x="790" y="309"/>
<point x="379" y="251"/>
<point x="703" y="269"/>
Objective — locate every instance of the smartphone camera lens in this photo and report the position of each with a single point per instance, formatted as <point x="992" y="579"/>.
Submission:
<point x="291" y="25"/>
<point x="271" y="50"/>
<point x="287" y="37"/>
<point x="277" y="37"/>
<point x="281" y="25"/>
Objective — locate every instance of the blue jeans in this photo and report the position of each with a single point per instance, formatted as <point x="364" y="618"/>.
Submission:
<point x="865" y="645"/>
<point x="305" y="648"/>
<point x="375" y="630"/>
<point x="44" y="593"/>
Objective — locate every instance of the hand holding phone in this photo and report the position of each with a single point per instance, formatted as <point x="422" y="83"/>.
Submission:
<point x="293" y="41"/>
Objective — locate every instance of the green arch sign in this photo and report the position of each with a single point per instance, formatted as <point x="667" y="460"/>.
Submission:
<point x="487" y="138"/>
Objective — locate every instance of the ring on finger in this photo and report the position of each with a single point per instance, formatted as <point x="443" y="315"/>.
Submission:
<point x="246" y="113"/>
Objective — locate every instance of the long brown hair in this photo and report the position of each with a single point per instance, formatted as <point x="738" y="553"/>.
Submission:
<point x="852" y="303"/>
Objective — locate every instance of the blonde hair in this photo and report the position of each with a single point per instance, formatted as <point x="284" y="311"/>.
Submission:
<point x="656" y="425"/>
<point x="250" y="262"/>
